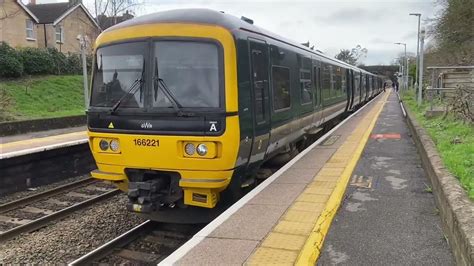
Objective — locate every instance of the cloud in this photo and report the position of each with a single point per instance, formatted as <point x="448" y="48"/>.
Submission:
<point x="331" y="25"/>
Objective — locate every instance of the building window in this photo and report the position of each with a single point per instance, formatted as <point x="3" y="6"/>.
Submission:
<point x="30" y="32"/>
<point x="281" y="87"/>
<point x="59" y="34"/>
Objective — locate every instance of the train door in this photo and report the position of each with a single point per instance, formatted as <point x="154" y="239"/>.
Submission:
<point x="317" y="93"/>
<point x="349" y="90"/>
<point x="260" y="94"/>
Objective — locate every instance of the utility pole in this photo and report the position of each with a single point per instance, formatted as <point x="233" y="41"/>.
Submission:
<point x="420" y="82"/>
<point x="83" y="45"/>
<point x="417" y="51"/>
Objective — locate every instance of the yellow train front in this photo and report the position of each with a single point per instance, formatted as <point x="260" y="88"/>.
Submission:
<point x="180" y="112"/>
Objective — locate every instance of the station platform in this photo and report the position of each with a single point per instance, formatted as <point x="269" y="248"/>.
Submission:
<point x="286" y="219"/>
<point x="17" y="145"/>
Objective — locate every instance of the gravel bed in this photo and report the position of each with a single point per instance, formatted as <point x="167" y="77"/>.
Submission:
<point x="49" y="206"/>
<point x="33" y="191"/>
<point x="71" y="200"/>
<point x="72" y="237"/>
<point x="89" y="191"/>
<point x="23" y="214"/>
<point x="4" y="226"/>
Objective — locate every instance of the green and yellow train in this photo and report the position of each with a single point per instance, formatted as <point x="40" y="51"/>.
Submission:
<point x="186" y="105"/>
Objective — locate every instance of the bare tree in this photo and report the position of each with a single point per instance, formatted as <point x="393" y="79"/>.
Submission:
<point x="120" y="6"/>
<point x="359" y="53"/>
<point x="104" y="9"/>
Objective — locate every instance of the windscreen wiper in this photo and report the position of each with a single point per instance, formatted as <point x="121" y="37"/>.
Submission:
<point x="129" y="93"/>
<point x="159" y="83"/>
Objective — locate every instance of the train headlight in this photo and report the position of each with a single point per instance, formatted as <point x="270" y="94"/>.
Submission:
<point x="103" y="145"/>
<point x="114" y="145"/>
<point x="189" y="149"/>
<point x="201" y="149"/>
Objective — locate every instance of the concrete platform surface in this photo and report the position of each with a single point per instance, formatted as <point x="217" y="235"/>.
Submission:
<point x="286" y="219"/>
<point x="18" y="145"/>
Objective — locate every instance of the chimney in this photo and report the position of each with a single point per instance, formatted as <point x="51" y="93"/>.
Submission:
<point x="74" y="2"/>
<point x="32" y="2"/>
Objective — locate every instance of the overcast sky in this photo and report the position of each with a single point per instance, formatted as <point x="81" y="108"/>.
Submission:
<point x="330" y="25"/>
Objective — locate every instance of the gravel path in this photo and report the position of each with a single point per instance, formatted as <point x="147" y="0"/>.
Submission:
<point x="72" y="237"/>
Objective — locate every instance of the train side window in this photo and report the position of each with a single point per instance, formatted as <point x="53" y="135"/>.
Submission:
<point x="259" y="76"/>
<point x="281" y="87"/>
<point x="337" y="81"/>
<point x="306" y="86"/>
<point x="317" y="84"/>
<point x="343" y="81"/>
<point x="326" y="81"/>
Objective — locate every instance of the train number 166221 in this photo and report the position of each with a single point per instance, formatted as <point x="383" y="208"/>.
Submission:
<point x="147" y="142"/>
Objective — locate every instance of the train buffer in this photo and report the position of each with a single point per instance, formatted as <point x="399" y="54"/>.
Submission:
<point x="357" y="197"/>
<point x="28" y="143"/>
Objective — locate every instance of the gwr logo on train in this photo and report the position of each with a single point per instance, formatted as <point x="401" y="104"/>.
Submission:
<point x="221" y="96"/>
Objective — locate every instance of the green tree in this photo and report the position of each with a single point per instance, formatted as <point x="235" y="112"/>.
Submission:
<point x="346" y="56"/>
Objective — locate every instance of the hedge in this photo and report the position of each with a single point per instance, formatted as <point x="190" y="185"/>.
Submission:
<point x="38" y="61"/>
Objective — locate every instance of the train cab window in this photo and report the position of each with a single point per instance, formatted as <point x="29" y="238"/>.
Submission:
<point x="306" y="86"/>
<point x="281" y="87"/>
<point x="118" y="69"/>
<point x="190" y="70"/>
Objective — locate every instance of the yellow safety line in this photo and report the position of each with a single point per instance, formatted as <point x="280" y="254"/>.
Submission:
<point x="299" y="234"/>
<point x="31" y="142"/>
<point x="312" y="248"/>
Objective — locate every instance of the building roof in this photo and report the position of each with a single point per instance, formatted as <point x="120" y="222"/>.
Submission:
<point x="48" y="13"/>
<point x="27" y="10"/>
<point x="53" y="13"/>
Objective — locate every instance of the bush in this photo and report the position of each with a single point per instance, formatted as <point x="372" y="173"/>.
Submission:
<point x="60" y="61"/>
<point x="37" y="61"/>
<point x="10" y="62"/>
<point x="74" y="64"/>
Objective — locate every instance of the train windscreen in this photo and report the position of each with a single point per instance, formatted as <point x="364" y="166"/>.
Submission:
<point x="156" y="75"/>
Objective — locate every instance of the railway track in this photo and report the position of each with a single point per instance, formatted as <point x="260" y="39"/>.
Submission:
<point x="31" y="213"/>
<point x="145" y="244"/>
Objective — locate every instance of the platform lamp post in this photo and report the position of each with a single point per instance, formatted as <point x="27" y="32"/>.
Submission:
<point x="405" y="73"/>
<point x="83" y="46"/>
<point x="417" y="50"/>
<point x="420" y="76"/>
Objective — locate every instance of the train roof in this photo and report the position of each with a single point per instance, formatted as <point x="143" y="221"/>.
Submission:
<point x="212" y="17"/>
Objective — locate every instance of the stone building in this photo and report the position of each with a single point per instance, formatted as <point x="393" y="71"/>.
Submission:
<point x="46" y="25"/>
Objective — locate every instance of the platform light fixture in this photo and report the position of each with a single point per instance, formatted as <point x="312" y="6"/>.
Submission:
<point x="405" y="74"/>
<point x="417" y="50"/>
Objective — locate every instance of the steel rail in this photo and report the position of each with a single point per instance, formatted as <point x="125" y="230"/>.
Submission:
<point x="43" y="221"/>
<point x="109" y="247"/>
<point x="46" y="194"/>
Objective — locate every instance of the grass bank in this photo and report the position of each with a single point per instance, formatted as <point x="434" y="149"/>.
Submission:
<point x="41" y="97"/>
<point x="454" y="141"/>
